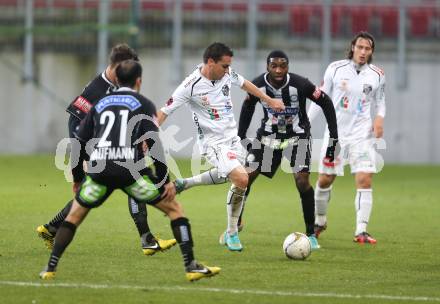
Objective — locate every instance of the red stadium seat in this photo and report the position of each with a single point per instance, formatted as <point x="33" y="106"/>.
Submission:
<point x="272" y="7"/>
<point x="337" y="13"/>
<point x="389" y="17"/>
<point x="419" y="21"/>
<point x="153" y="5"/>
<point x="300" y="19"/>
<point x="360" y="17"/>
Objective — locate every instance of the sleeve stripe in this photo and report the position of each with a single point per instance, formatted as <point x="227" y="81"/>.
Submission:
<point x="336" y="69"/>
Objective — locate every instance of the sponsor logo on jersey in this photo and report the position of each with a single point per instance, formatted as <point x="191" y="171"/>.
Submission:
<point x="169" y="101"/>
<point x="343" y="85"/>
<point x="344" y="102"/>
<point x="118" y="100"/>
<point x="82" y="104"/>
<point x="199" y="129"/>
<point x="225" y="90"/>
<point x="231" y="155"/>
<point x="287" y="111"/>
<point x="368" y="88"/>
<point x="233" y="74"/>
<point x="213" y="114"/>
<point x="205" y="101"/>
<point x="317" y="93"/>
<point x="360" y="105"/>
<point x="293" y="98"/>
<point x="190" y="81"/>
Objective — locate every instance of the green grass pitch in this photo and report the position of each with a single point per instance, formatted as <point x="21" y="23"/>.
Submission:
<point x="105" y="264"/>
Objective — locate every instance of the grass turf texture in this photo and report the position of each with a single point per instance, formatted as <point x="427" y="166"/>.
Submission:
<point x="106" y="251"/>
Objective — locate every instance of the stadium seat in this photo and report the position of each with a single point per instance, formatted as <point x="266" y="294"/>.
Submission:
<point x="153" y="5"/>
<point x="389" y="17"/>
<point x="419" y="21"/>
<point x="300" y="20"/>
<point x="337" y="13"/>
<point x="360" y="18"/>
<point x="272" y="7"/>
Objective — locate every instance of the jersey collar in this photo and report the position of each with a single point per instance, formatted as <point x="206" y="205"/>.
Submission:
<point x="358" y="67"/>
<point x="282" y="87"/>
<point x="125" y="89"/>
<point x="108" y="81"/>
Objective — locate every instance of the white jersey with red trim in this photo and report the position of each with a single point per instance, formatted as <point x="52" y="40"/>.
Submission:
<point x="354" y="90"/>
<point x="210" y="103"/>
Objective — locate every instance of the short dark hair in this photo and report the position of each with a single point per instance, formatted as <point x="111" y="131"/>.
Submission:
<point x="121" y="52"/>
<point x="363" y="35"/>
<point x="216" y="51"/>
<point x="127" y="72"/>
<point x="277" y="54"/>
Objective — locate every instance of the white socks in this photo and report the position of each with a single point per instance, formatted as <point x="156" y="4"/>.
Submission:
<point x="322" y="198"/>
<point x="209" y="177"/>
<point x="233" y="208"/>
<point x="363" y="205"/>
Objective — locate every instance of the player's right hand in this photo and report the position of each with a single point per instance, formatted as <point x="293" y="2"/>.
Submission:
<point x="276" y="104"/>
<point x="169" y="192"/>
<point x="333" y="149"/>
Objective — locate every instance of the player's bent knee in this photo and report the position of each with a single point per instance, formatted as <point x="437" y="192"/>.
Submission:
<point x="302" y="183"/>
<point x="325" y="180"/>
<point x="242" y="181"/>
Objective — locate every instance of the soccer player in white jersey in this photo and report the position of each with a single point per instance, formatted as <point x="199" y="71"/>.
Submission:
<point x="356" y="87"/>
<point x="207" y="90"/>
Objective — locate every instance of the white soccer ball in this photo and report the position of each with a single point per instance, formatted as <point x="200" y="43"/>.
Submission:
<point x="297" y="246"/>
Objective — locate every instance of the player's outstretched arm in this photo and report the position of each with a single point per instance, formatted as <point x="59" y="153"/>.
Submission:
<point x="161" y="117"/>
<point x="276" y="104"/>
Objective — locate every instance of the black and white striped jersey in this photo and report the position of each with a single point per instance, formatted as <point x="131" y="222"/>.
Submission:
<point x="293" y="120"/>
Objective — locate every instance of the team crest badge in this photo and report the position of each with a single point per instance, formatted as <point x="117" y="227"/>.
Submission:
<point x="367" y="88"/>
<point x="225" y="90"/>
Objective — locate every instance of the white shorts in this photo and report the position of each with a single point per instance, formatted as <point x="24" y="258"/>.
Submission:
<point x="226" y="156"/>
<point x="360" y="155"/>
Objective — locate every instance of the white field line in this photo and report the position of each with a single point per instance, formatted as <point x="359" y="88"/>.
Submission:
<point x="225" y="290"/>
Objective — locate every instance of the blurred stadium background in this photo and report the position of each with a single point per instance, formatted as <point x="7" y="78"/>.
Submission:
<point x="50" y="49"/>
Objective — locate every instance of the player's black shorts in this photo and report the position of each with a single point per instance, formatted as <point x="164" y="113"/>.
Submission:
<point x="97" y="187"/>
<point x="266" y="154"/>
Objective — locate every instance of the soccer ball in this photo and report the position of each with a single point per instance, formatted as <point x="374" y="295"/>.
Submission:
<point x="297" y="246"/>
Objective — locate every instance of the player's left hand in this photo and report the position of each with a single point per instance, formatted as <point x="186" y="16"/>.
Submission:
<point x="378" y="127"/>
<point x="170" y="192"/>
